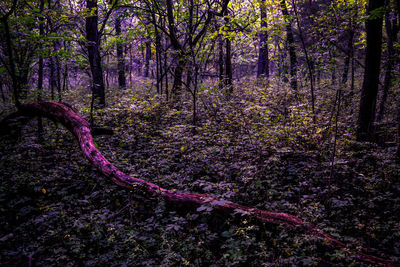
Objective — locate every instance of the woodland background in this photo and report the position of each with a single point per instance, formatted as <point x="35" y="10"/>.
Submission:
<point x="285" y="105"/>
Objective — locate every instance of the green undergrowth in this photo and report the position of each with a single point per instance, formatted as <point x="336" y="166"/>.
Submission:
<point x="258" y="147"/>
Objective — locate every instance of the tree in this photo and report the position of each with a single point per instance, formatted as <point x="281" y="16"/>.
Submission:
<point x="392" y="28"/>
<point x="369" y="91"/>
<point x="120" y="54"/>
<point x="228" y="58"/>
<point x="93" y="43"/>
<point x="10" y="52"/>
<point x="185" y="40"/>
<point x="291" y="46"/>
<point x="263" y="60"/>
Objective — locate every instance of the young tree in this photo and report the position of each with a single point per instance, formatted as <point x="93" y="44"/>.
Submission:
<point x="366" y="115"/>
<point x="184" y="41"/>
<point x="291" y="46"/>
<point x="120" y="54"/>
<point x="228" y="79"/>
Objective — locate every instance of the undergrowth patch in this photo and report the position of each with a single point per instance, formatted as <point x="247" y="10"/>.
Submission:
<point x="261" y="150"/>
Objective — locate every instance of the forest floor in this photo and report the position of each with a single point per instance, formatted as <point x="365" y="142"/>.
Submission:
<point x="256" y="147"/>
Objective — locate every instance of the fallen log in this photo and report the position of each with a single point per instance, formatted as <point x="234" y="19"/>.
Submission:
<point x="80" y="128"/>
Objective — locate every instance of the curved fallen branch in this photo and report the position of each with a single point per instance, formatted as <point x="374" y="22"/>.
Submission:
<point x="80" y="128"/>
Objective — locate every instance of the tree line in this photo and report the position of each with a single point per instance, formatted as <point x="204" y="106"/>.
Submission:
<point x="48" y="47"/>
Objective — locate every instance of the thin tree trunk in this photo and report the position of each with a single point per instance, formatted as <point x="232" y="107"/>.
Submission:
<point x="65" y="73"/>
<point x="195" y="85"/>
<point x="147" y="59"/>
<point x="220" y="62"/>
<point x="291" y="46"/>
<point x="166" y="70"/>
<point x="228" y="79"/>
<point x="58" y="77"/>
<point x="52" y="78"/>
<point x="308" y="61"/>
<point x="349" y="52"/>
<point x="391" y="33"/>
<point x="228" y="66"/>
<point x="40" y="72"/>
<point x="398" y="132"/>
<point x="158" y="56"/>
<point x="130" y="68"/>
<point x="120" y="55"/>
<point x="158" y="68"/>
<point x="353" y="72"/>
<point x="2" y="92"/>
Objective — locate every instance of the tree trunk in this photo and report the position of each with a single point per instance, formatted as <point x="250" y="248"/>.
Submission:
<point x="369" y="91"/>
<point x="391" y="33"/>
<point x="291" y="46"/>
<point x="80" y="128"/>
<point x="228" y="79"/>
<point x="58" y="71"/>
<point x="120" y="55"/>
<point x="398" y="131"/>
<point x="220" y="62"/>
<point x="92" y="36"/>
<point x="2" y="92"/>
<point x="147" y="59"/>
<point x="159" y="80"/>
<point x="65" y="72"/>
<point x="52" y="78"/>
<point x="263" y="59"/>
<point x="166" y="70"/>
<point x="309" y="63"/>
<point x="178" y="75"/>
<point x="10" y="52"/>
<point x="228" y="65"/>
<point x="40" y="73"/>
<point x="349" y="53"/>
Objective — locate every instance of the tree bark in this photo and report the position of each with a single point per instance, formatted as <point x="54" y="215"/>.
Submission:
<point x="92" y="36"/>
<point x="308" y="61"/>
<point x="58" y="70"/>
<point x="52" y="78"/>
<point x="40" y="72"/>
<point x="291" y="46"/>
<point x="165" y="61"/>
<point x="10" y="51"/>
<point x="349" y="53"/>
<point x="120" y="55"/>
<point x="228" y="79"/>
<point x="65" y="72"/>
<point x="2" y="92"/>
<point x="392" y="29"/>
<point x="228" y="65"/>
<point x="80" y="128"/>
<point x="147" y="59"/>
<point x="220" y="62"/>
<point x="263" y="59"/>
<point x="369" y="91"/>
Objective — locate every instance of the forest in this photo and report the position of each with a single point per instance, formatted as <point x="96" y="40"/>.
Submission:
<point x="199" y="133"/>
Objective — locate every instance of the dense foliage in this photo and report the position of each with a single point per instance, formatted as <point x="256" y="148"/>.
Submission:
<point x="58" y="210"/>
<point x="285" y="105"/>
